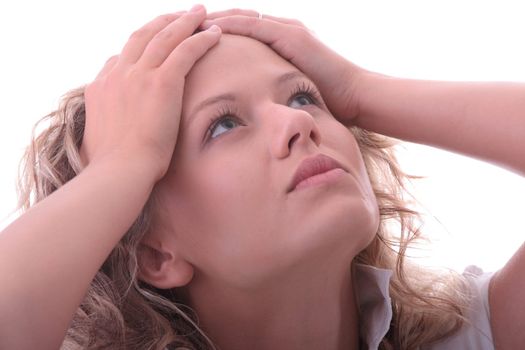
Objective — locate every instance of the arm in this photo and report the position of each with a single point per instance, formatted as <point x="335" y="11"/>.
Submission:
<point x="50" y="254"/>
<point x="507" y="303"/>
<point x="480" y="119"/>
<point x="485" y="120"/>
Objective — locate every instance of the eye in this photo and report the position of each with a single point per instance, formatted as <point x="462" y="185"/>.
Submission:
<point x="221" y="125"/>
<point x="225" y="119"/>
<point x="301" y="100"/>
<point x="305" y="94"/>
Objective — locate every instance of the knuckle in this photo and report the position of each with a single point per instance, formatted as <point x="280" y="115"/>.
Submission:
<point x="146" y="30"/>
<point x="237" y="11"/>
<point x="90" y="91"/>
<point x="165" y="34"/>
<point x="252" y="21"/>
<point x="252" y="13"/>
<point x="188" y="48"/>
<point x="112" y="60"/>
<point x="240" y="12"/>
<point x="302" y="33"/>
<point x="139" y="34"/>
<point x="163" y="83"/>
<point x="297" y="23"/>
<point x="133" y="73"/>
<point x="166" y="18"/>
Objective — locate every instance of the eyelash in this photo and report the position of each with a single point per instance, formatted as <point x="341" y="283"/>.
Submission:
<point x="302" y="88"/>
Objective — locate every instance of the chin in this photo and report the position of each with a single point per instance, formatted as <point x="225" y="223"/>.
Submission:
<point x="347" y="227"/>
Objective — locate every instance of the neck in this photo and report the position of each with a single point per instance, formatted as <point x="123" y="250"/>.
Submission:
<point x="308" y="311"/>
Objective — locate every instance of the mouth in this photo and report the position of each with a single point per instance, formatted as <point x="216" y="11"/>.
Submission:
<point x="315" y="169"/>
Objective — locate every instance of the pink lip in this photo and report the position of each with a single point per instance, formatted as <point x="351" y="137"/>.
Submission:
<point x="313" y="166"/>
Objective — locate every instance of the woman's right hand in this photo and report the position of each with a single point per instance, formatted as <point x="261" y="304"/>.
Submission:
<point x="133" y="107"/>
<point x="336" y="77"/>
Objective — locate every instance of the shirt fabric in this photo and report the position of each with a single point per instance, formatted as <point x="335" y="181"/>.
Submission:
<point x="376" y="310"/>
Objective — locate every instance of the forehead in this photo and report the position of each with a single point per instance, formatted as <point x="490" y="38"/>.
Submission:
<point x="234" y="60"/>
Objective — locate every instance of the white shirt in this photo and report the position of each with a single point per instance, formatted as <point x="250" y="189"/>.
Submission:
<point x="376" y="311"/>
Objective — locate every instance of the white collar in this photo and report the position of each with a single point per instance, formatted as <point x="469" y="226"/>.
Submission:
<point x="374" y="303"/>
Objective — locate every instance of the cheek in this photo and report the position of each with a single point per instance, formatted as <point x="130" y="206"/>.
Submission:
<point x="234" y="182"/>
<point x="213" y="205"/>
<point x="342" y="139"/>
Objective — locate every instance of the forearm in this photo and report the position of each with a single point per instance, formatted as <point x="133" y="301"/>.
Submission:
<point x="485" y="120"/>
<point x="50" y="254"/>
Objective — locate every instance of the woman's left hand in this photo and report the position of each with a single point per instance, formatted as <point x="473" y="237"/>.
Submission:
<point x="336" y="77"/>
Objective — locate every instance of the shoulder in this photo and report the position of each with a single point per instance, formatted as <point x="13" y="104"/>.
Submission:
<point x="507" y="303"/>
<point x="476" y="331"/>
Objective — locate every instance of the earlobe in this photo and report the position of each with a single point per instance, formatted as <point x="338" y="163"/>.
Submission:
<point x="162" y="267"/>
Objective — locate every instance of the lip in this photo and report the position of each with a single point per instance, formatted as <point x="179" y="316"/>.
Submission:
<point x="311" y="166"/>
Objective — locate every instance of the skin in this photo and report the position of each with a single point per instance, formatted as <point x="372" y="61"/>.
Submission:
<point x="483" y="120"/>
<point x="50" y="254"/>
<point x="132" y="123"/>
<point x="229" y="225"/>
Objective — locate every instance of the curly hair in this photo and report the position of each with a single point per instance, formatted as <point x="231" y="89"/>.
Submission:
<point x="121" y="312"/>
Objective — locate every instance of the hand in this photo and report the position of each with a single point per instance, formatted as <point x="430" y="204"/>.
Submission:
<point x="336" y="77"/>
<point x="133" y="107"/>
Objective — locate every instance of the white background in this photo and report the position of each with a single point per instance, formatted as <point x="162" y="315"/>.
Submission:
<point x="473" y="209"/>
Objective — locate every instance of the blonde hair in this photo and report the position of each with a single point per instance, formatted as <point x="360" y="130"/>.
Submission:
<point x="121" y="312"/>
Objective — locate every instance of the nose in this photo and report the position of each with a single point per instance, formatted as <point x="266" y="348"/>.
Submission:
<point x="292" y="128"/>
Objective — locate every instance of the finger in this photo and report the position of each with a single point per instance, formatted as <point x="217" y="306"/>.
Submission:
<point x="140" y="38"/>
<point x="252" y="13"/>
<point x="232" y="12"/>
<point x="289" y="41"/>
<point x="108" y="66"/>
<point x="162" y="44"/>
<point x="290" y="21"/>
<point x="264" y="30"/>
<point x="182" y="59"/>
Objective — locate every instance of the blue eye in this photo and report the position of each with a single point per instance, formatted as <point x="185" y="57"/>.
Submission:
<point x="302" y="99"/>
<point x="227" y="118"/>
<point x="221" y="125"/>
<point x="305" y="93"/>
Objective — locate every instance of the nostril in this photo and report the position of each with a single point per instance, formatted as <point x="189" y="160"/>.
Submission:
<point x="292" y="140"/>
<point x="314" y="135"/>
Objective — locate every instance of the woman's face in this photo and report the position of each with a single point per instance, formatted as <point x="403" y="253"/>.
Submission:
<point x="226" y="198"/>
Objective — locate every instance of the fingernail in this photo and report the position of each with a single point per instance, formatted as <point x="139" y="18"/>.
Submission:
<point x="197" y="8"/>
<point x="214" y="28"/>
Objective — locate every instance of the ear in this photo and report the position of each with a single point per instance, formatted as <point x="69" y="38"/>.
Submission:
<point x="161" y="266"/>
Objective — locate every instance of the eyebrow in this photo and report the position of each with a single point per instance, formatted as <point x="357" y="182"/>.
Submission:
<point x="231" y="97"/>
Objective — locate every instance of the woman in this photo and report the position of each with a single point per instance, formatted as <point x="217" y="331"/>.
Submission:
<point x="200" y="192"/>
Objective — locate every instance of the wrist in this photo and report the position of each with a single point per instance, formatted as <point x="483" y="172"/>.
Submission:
<point x="129" y="165"/>
<point x="348" y="100"/>
<point x="366" y="85"/>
